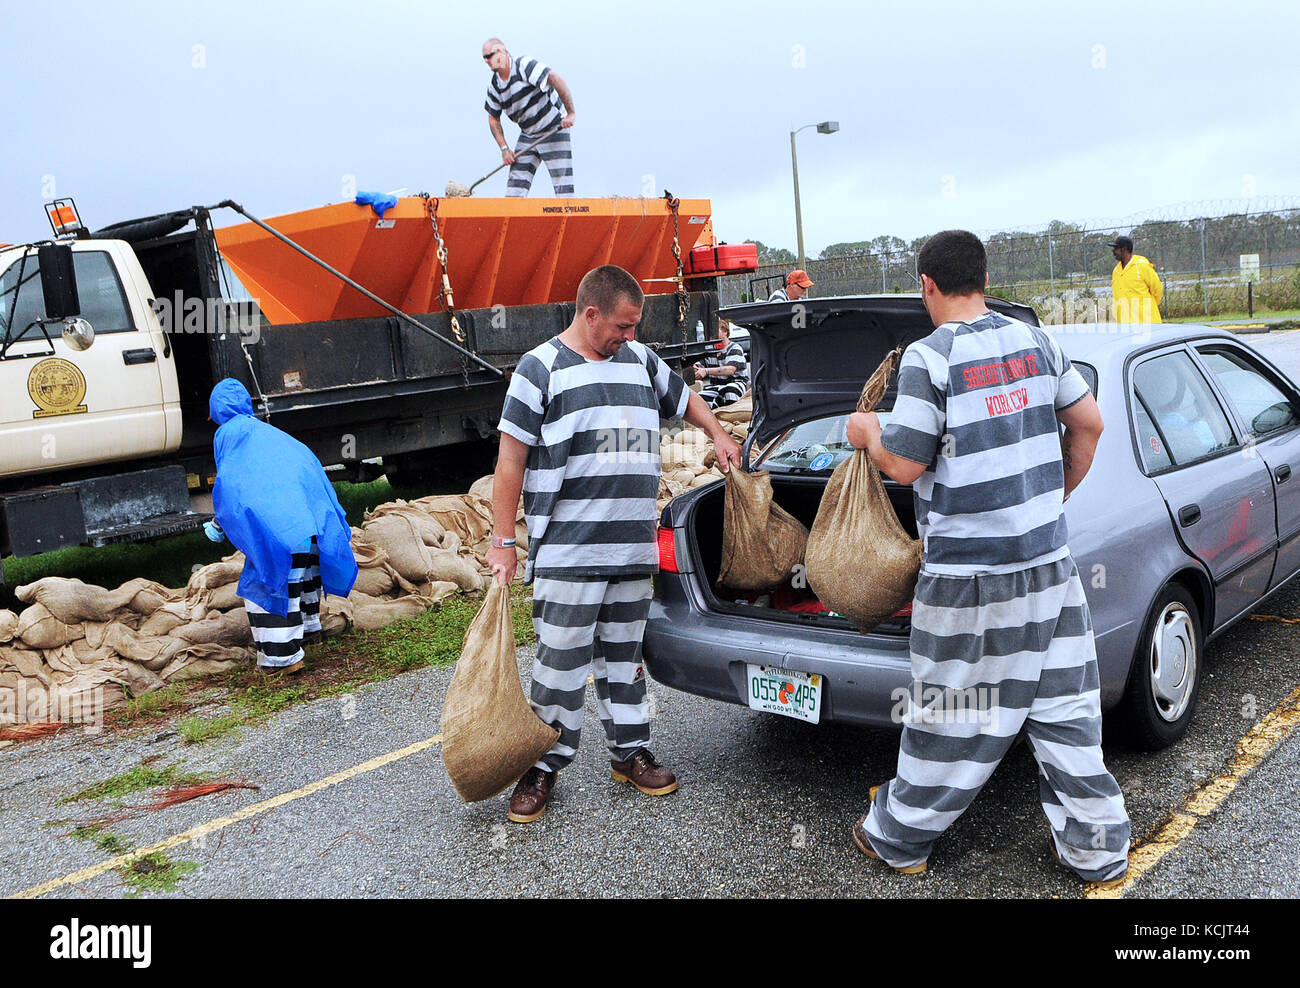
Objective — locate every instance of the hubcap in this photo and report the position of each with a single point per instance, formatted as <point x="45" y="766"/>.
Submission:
<point x="1173" y="661"/>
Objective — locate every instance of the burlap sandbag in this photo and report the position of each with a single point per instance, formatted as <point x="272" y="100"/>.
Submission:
<point x="8" y="626"/>
<point x="374" y="581"/>
<point x="197" y="661"/>
<point x="490" y="735"/>
<point x="762" y="543"/>
<point x="373" y="613"/>
<point x="38" y="628"/>
<point x="72" y="600"/>
<point x="861" y="561"/>
<point x="217" y="574"/>
<point x="228" y="628"/>
<point x="737" y="411"/>
<point x="27" y="662"/>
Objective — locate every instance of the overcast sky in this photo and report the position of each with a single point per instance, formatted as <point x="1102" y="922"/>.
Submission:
<point x="984" y="115"/>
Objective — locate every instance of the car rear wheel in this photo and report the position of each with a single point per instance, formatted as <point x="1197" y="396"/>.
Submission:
<point x="1166" y="676"/>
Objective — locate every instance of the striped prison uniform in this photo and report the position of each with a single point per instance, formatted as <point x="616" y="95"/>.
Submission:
<point x="591" y="625"/>
<point x="528" y="100"/>
<point x="279" y="639"/>
<point x="1001" y="634"/>
<point x="592" y="476"/>
<point x="719" y="391"/>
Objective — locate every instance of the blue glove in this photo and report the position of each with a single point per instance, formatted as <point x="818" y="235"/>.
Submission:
<point x="380" y="202"/>
<point x="213" y="531"/>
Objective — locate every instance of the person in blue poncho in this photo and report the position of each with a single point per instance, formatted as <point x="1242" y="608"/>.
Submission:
<point x="275" y="504"/>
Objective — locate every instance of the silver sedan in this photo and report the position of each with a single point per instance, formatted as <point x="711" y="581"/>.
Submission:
<point x="1188" y="519"/>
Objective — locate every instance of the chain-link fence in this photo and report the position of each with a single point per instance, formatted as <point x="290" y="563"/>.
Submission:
<point x="1065" y="271"/>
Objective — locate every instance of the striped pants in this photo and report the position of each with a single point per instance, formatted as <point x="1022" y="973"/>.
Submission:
<point x="591" y="626"/>
<point x="993" y="654"/>
<point x="557" y="152"/>
<point x="279" y="639"/>
<point x="717" y="395"/>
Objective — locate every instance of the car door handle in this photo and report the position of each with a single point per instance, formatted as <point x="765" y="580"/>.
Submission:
<point x="144" y="355"/>
<point x="1283" y="473"/>
<point x="1189" y="515"/>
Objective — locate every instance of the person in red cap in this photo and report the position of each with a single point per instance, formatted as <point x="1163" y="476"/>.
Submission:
<point x="796" y="287"/>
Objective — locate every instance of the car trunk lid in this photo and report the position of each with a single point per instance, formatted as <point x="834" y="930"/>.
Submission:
<point x="811" y="358"/>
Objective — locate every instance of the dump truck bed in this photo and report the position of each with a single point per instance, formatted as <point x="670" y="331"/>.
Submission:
<point x="500" y="251"/>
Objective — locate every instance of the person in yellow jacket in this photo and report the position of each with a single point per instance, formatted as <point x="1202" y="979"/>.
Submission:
<point x="1135" y="288"/>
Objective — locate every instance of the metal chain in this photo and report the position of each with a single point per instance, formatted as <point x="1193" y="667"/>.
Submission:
<point x="448" y="303"/>
<point x="677" y="278"/>
<point x="673" y="204"/>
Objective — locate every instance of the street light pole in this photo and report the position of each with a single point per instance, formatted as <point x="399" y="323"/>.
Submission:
<point x="825" y="127"/>
<point x="798" y="213"/>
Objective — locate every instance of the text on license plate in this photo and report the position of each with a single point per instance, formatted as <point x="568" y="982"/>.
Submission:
<point x="785" y="691"/>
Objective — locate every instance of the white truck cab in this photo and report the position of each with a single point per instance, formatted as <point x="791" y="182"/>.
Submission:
<point x="61" y="407"/>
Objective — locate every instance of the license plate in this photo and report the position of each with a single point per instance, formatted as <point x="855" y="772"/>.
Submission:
<point x="786" y="692"/>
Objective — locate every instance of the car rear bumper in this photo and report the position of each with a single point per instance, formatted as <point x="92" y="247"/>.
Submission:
<point x="705" y="653"/>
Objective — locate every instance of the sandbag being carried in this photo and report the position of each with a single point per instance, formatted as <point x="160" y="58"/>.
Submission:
<point x="762" y="543"/>
<point x="861" y="561"/>
<point x="490" y="735"/>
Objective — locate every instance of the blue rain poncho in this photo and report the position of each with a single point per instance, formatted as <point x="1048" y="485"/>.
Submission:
<point x="271" y="496"/>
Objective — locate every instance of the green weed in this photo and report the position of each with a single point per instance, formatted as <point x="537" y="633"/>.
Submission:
<point x="135" y="780"/>
<point x="155" y="873"/>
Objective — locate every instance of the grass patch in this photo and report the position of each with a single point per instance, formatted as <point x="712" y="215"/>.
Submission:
<point x="155" y="873"/>
<point x="434" y="638"/>
<point x="150" y="873"/>
<point x="170" y="561"/>
<point x="196" y="730"/>
<point x="338" y="666"/>
<point x="1292" y="316"/>
<point x="136" y="780"/>
<point x="106" y="841"/>
<point x="158" y="702"/>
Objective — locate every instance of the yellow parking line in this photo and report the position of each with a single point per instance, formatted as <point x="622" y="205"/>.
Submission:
<point x="1251" y="749"/>
<point x="256" y="809"/>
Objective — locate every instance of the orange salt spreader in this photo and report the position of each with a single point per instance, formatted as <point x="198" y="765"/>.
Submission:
<point x="500" y="251"/>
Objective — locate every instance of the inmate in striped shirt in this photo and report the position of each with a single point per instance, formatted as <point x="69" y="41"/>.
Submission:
<point x="977" y="402"/>
<point x="526" y="97"/>
<point x="733" y="355"/>
<point x="593" y="470"/>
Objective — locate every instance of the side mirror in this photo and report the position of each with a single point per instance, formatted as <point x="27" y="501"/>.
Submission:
<point x="78" y="333"/>
<point x="59" y="281"/>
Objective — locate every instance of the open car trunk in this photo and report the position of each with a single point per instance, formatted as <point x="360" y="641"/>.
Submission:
<point x="801" y="496"/>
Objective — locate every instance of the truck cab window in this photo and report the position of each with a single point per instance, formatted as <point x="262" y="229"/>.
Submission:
<point x="103" y="302"/>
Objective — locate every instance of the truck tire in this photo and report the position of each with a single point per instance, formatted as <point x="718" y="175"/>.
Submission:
<point x="1165" y="679"/>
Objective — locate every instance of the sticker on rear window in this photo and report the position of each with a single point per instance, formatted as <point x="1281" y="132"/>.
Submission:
<point x="822" y="461"/>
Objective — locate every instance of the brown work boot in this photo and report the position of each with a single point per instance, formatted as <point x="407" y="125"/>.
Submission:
<point x="863" y="842"/>
<point x="864" y="845"/>
<point x="528" y="801"/>
<point x="312" y="637"/>
<point x="645" y="773"/>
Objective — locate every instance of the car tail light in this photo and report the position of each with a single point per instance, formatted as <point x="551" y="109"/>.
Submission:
<point x="667" y="551"/>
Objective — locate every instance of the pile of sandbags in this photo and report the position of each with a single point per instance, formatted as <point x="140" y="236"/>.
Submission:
<point x="76" y="640"/>
<point x="85" y="647"/>
<point x="688" y="459"/>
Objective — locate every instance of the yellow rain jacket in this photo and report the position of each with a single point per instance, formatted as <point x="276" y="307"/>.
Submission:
<point x="1136" y="290"/>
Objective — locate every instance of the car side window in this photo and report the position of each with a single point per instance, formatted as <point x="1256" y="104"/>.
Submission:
<point x="1261" y="404"/>
<point x="1182" y="415"/>
<point x="103" y="302"/>
<point x="1150" y="443"/>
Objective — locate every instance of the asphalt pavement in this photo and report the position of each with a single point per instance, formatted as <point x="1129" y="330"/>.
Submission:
<point x="352" y="800"/>
<point x="764" y="808"/>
